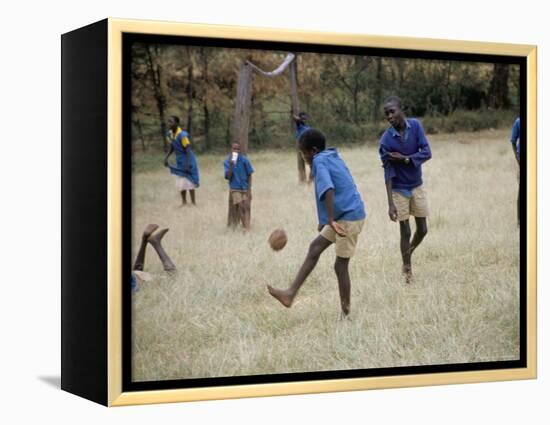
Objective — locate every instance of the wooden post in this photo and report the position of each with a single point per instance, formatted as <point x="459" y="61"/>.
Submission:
<point x="295" y="110"/>
<point x="241" y="120"/>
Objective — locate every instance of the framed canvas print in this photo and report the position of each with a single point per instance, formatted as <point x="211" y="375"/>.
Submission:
<point x="251" y="212"/>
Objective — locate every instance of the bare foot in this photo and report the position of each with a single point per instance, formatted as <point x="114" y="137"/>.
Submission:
<point x="148" y="231"/>
<point x="157" y="237"/>
<point x="407" y="271"/>
<point x="345" y="316"/>
<point x="282" y="296"/>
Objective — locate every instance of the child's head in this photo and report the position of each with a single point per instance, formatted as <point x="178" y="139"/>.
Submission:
<point x="235" y="147"/>
<point x="173" y="122"/>
<point x="310" y="143"/>
<point x="393" y="111"/>
<point x="303" y="116"/>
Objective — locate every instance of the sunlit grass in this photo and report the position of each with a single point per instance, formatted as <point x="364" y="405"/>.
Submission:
<point x="215" y="317"/>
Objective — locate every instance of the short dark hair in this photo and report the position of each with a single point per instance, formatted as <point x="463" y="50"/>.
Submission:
<point x="176" y="119"/>
<point x="312" y="138"/>
<point x="302" y="114"/>
<point x="394" y="99"/>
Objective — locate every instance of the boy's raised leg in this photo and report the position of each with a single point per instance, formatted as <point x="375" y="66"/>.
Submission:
<point x="140" y="258"/>
<point x="155" y="240"/>
<point x="344" y="283"/>
<point x="316" y="248"/>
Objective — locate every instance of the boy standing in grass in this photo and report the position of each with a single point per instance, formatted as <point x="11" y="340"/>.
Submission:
<point x="515" y="141"/>
<point x="238" y="171"/>
<point x="403" y="150"/>
<point x="341" y="214"/>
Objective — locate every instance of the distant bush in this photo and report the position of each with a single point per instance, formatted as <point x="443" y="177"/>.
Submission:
<point x="461" y="120"/>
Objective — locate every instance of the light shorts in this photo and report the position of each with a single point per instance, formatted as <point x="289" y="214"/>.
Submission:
<point x="344" y="245"/>
<point x="183" y="183"/>
<point x="238" y="196"/>
<point x="416" y="205"/>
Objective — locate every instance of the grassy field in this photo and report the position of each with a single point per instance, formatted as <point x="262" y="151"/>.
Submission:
<point x="214" y="317"/>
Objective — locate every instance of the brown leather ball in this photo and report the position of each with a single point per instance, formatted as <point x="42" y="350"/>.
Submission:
<point x="277" y="239"/>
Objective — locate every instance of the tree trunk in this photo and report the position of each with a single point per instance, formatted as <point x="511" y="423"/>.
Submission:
<point x="189" y="92"/>
<point x="242" y="107"/>
<point x="140" y="133"/>
<point x="206" y="127"/>
<point x="155" y="72"/>
<point x="295" y="110"/>
<point x="378" y="90"/>
<point x="498" y="92"/>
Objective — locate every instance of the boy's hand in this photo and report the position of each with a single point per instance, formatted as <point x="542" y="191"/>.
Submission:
<point x="392" y="212"/>
<point x="397" y="156"/>
<point x="338" y="229"/>
<point x="166" y="163"/>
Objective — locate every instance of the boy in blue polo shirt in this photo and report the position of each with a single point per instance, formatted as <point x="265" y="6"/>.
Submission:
<point x="340" y="212"/>
<point x="403" y="150"/>
<point x="515" y="141"/>
<point x="238" y="171"/>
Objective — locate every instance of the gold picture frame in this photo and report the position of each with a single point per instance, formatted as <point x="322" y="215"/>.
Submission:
<point x="110" y="383"/>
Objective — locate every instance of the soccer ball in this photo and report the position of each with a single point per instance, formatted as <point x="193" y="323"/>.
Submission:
<point x="277" y="239"/>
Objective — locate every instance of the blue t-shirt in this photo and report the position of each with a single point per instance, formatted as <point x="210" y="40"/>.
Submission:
<point x="241" y="170"/>
<point x="414" y="145"/>
<point x="301" y="128"/>
<point x="330" y="172"/>
<point x="514" y="138"/>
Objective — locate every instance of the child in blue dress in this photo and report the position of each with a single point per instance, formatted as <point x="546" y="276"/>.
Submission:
<point x="186" y="169"/>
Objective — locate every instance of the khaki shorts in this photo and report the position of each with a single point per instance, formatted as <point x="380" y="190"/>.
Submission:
<point x="237" y="196"/>
<point x="417" y="205"/>
<point x="344" y="246"/>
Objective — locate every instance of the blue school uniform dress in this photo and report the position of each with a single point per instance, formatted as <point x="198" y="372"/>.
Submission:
<point x="414" y="145"/>
<point x="514" y="138"/>
<point x="186" y="162"/>
<point x="241" y="171"/>
<point x="330" y="172"/>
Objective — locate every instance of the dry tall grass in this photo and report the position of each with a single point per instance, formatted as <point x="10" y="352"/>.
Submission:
<point x="215" y="317"/>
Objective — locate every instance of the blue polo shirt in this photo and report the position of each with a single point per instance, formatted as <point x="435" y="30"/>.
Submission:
<point x="301" y="128"/>
<point x="514" y="138"/>
<point x="413" y="145"/>
<point x="330" y="172"/>
<point x="241" y="170"/>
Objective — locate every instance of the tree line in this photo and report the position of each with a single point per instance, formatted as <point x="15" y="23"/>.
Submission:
<point x="343" y="94"/>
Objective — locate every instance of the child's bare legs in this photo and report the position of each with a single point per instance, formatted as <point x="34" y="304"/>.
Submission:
<point x="140" y="258"/>
<point x="408" y="246"/>
<point x="420" y="233"/>
<point x="244" y="213"/>
<point x="155" y="240"/>
<point x="344" y="283"/>
<point x="405" y="232"/>
<point x="184" y="197"/>
<point x="192" y="193"/>
<point x="316" y="248"/>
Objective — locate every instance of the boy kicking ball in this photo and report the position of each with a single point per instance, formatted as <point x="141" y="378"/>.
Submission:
<point x="403" y="150"/>
<point x="341" y="215"/>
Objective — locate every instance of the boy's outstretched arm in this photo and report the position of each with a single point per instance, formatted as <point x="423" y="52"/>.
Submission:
<point x="329" y="203"/>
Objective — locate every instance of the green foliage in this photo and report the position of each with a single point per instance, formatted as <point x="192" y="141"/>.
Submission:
<point x="343" y="95"/>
